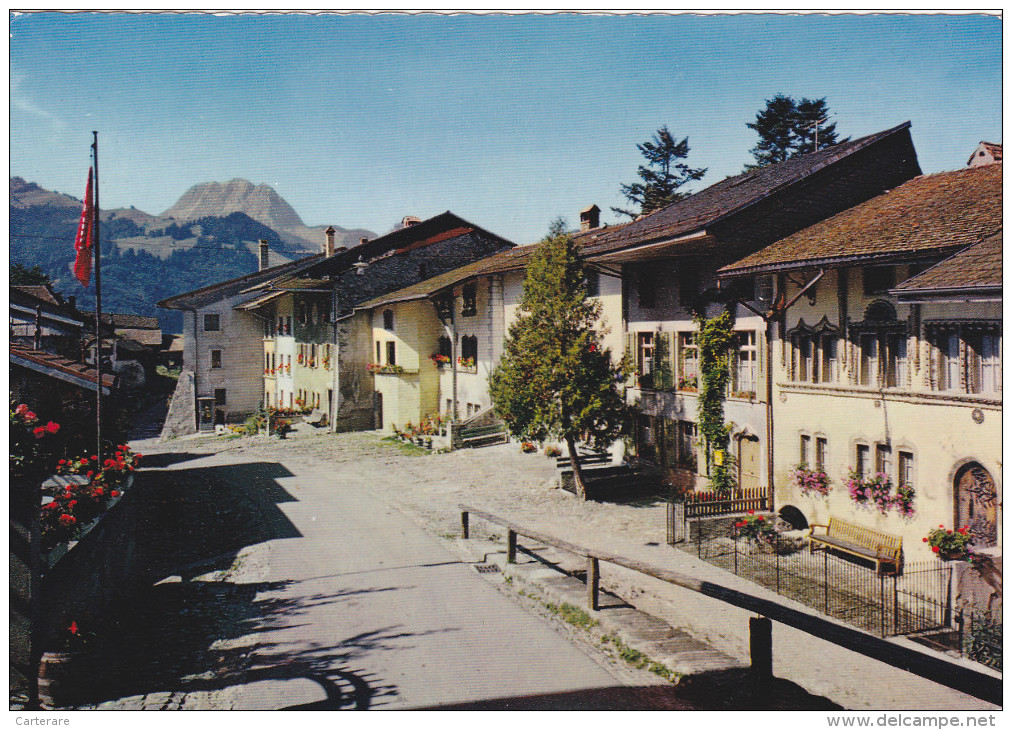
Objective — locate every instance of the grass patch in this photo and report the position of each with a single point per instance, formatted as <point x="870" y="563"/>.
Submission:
<point x="638" y="659"/>
<point x="405" y="448"/>
<point x="572" y="615"/>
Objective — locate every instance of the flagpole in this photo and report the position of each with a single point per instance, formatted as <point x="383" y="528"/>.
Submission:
<point x="98" y="309"/>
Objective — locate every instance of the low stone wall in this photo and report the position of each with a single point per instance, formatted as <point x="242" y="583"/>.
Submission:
<point x="98" y="569"/>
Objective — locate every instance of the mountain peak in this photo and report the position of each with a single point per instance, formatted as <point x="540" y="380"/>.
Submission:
<point x="259" y="202"/>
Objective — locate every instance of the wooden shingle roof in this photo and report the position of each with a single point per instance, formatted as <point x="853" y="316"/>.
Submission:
<point x="727" y="197"/>
<point x="930" y="214"/>
<point x="974" y="269"/>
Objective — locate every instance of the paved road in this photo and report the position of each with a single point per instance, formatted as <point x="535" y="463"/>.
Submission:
<point x="356" y="607"/>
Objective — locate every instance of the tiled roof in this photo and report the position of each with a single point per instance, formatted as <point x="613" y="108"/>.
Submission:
<point x="38" y="291"/>
<point x="930" y="213"/>
<point x="975" y="268"/>
<point x="127" y="321"/>
<point x="727" y="197"/>
<point x="224" y="289"/>
<point x="59" y="367"/>
<point x="511" y="259"/>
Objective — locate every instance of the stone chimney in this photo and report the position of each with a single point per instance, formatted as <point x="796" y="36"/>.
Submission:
<point x="410" y="220"/>
<point x="264" y="255"/>
<point x="328" y="246"/>
<point x="363" y="239"/>
<point x="590" y="218"/>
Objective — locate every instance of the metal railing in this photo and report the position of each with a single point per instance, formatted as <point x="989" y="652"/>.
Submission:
<point x="933" y="667"/>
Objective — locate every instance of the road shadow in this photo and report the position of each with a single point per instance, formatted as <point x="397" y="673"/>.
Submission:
<point x="740" y="689"/>
<point x="202" y="636"/>
<point x="167" y="459"/>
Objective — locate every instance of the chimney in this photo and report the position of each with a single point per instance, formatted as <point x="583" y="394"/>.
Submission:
<point x="410" y="220"/>
<point x="72" y="300"/>
<point x="264" y="255"/>
<point x="360" y="266"/>
<point x="590" y="218"/>
<point x="328" y="248"/>
<point x="362" y="240"/>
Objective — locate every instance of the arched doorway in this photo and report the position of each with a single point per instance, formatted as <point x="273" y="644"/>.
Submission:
<point x="977" y="503"/>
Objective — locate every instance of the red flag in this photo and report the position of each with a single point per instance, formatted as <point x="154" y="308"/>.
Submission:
<point x="82" y="264"/>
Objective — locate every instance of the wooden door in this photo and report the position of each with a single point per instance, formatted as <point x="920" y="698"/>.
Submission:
<point x="749" y="462"/>
<point x="977" y="504"/>
<point x="377" y="410"/>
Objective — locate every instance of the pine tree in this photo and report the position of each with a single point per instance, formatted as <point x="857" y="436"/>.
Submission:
<point x="662" y="176"/>
<point x="786" y="129"/>
<point x="555" y="378"/>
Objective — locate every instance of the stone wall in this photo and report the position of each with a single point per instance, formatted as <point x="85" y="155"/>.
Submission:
<point x="182" y="416"/>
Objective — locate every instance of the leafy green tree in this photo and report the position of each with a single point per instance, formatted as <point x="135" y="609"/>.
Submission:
<point x="556" y="379"/>
<point x="662" y="176"/>
<point x="786" y="129"/>
<point x="22" y="275"/>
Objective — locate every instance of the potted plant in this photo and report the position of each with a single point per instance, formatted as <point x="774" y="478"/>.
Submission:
<point x="61" y="669"/>
<point x="810" y="481"/>
<point x="950" y="544"/>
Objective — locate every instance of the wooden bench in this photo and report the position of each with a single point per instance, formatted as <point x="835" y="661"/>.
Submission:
<point x="482" y="435"/>
<point x="863" y="542"/>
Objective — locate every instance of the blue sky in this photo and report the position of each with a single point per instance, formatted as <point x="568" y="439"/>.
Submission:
<point x="509" y="121"/>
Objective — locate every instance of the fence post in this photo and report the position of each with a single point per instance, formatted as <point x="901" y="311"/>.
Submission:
<point x="464" y="525"/>
<point x="593" y="582"/>
<point x="760" y="630"/>
<point x="882" y="599"/>
<point x="776" y="557"/>
<point x="896" y="606"/>
<point x="511" y="546"/>
<point x="735" y="544"/>
<point x="825" y="582"/>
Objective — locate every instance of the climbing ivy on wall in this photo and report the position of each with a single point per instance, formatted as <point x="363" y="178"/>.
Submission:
<point x="715" y="337"/>
<point x="663" y="379"/>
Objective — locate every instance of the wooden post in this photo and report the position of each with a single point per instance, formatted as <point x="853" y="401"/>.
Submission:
<point x="464" y="526"/>
<point x="511" y="547"/>
<point x="761" y="647"/>
<point x="593" y="581"/>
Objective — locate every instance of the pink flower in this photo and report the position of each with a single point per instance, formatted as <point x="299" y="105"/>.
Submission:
<point x="30" y="416"/>
<point x="21" y="409"/>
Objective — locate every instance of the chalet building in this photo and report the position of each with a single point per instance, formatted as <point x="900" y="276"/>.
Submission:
<point x="668" y="262"/>
<point x="286" y="336"/>
<point x="889" y="361"/>
<point x="41" y="319"/>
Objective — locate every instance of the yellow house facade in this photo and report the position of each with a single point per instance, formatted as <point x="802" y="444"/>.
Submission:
<point x="877" y="373"/>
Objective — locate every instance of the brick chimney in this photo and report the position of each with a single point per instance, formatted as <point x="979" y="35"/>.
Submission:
<point x="328" y="246"/>
<point x="264" y="255"/>
<point x="590" y="218"/>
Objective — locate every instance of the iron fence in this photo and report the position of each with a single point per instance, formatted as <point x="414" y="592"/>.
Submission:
<point x="917" y="599"/>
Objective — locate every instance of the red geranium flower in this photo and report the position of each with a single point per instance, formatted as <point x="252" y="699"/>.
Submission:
<point x="39" y="432"/>
<point x="67" y="519"/>
<point x="21" y="409"/>
<point x="115" y="493"/>
<point x="30" y="416"/>
<point x="52" y="427"/>
<point x="90" y="474"/>
<point x="73" y="627"/>
<point x="934" y="548"/>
